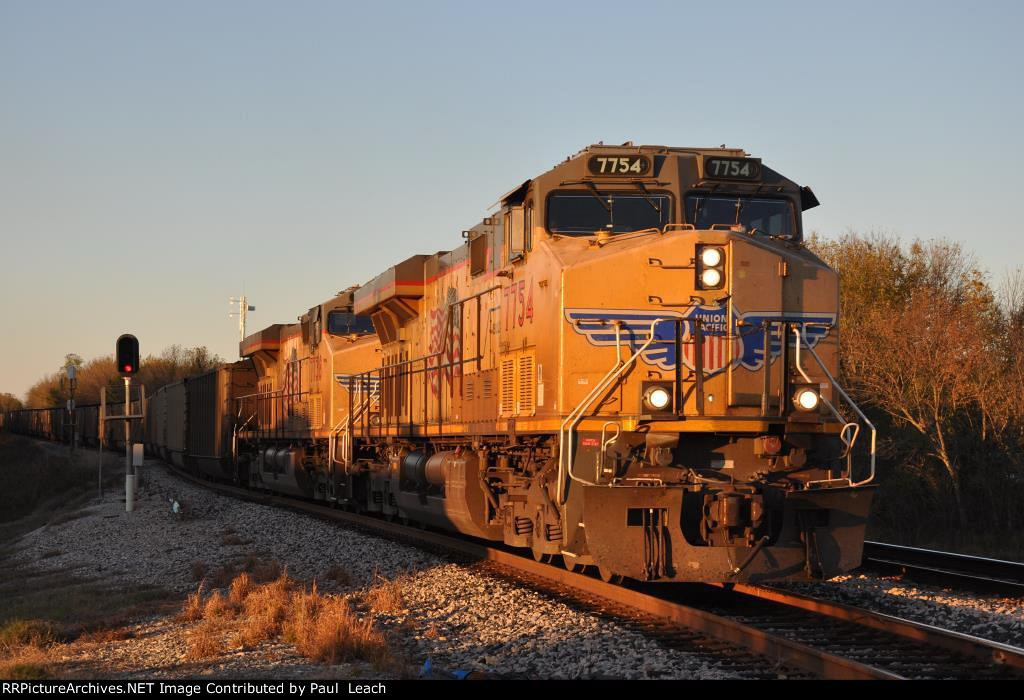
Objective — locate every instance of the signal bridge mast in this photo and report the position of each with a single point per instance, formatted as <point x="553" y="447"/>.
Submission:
<point x="243" y="309"/>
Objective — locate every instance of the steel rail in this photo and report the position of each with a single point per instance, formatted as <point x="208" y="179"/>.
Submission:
<point x="956" y="642"/>
<point x="997" y="573"/>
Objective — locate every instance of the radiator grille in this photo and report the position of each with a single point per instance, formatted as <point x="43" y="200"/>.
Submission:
<point x="316" y="411"/>
<point x="508" y="387"/>
<point x="527" y="400"/>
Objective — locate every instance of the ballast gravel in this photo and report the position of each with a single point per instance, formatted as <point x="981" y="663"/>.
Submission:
<point x="994" y="617"/>
<point x="457" y="618"/>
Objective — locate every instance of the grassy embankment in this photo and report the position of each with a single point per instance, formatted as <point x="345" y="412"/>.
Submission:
<point x="238" y="605"/>
<point x="42" y="485"/>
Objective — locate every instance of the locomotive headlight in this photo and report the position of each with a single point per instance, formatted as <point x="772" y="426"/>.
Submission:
<point x="658" y="398"/>
<point x="710" y="267"/>
<point x="806" y="399"/>
<point x="711" y="277"/>
<point x="711" y="257"/>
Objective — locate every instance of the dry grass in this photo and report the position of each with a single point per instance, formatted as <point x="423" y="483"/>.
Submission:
<point x="104" y="635"/>
<point x="265" y="610"/>
<point x="323" y="628"/>
<point x="326" y="629"/>
<point x="15" y="634"/>
<point x="23" y="646"/>
<point x="204" y="642"/>
<point x="385" y="596"/>
<point x="27" y="664"/>
<point x="218" y="608"/>
<point x="241" y="587"/>
<point x="193" y="609"/>
<point x="432" y="631"/>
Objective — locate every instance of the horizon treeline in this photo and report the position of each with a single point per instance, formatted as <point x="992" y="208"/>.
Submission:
<point x="932" y="352"/>
<point x="173" y="364"/>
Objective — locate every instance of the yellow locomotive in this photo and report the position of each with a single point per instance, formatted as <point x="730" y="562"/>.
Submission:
<point x="631" y="365"/>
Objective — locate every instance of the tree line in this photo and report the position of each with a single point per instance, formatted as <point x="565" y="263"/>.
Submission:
<point x="932" y="351"/>
<point x="173" y="364"/>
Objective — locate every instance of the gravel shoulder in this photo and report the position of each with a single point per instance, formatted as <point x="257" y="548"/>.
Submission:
<point x="458" y="618"/>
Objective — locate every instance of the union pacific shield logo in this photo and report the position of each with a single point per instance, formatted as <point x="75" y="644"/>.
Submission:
<point x="728" y="341"/>
<point x="720" y="344"/>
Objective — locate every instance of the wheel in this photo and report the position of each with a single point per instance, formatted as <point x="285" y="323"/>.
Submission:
<point x="542" y="557"/>
<point x="608" y="576"/>
<point x="570" y="564"/>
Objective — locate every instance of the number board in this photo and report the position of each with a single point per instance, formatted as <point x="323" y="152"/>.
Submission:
<point x="619" y="165"/>
<point x="732" y="168"/>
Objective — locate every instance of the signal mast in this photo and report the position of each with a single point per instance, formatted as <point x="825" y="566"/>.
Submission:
<point x="243" y="309"/>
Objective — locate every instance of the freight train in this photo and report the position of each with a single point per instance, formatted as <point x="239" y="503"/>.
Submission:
<point x="629" y="365"/>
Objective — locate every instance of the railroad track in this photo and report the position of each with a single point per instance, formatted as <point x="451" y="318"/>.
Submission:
<point x="947" y="566"/>
<point x="781" y="633"/>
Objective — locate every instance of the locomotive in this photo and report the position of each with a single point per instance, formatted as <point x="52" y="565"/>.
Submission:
<point x="629" y="365"/>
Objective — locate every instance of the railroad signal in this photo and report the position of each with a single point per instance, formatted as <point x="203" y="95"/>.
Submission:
<point x="243" y="308"/>
<point x="128" y="355"/>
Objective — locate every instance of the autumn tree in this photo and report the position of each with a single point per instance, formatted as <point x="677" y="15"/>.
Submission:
<point x="9" y="402"/>
<point x="173" y="364"/>
<point x="933" y="355"/>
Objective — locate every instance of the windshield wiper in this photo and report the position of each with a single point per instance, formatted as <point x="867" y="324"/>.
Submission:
<point x="597" y="195"/>
<point x="647" y="196"/>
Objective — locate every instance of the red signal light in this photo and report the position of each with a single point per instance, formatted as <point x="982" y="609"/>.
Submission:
<point x="127" y="355"/>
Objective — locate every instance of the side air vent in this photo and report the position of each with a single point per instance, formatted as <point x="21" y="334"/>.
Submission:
<point x="527" y="403"/>
<point x="507" y="406"/>
<point x="518" y="384"/>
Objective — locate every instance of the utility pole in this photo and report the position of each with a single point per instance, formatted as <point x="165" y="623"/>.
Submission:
<point x="243" y="309"/>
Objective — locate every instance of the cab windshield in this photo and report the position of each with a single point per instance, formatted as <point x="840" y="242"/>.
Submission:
<point x="343" y="323"/>
<point x="584" y="213"/>
<point x="773" y="217"/>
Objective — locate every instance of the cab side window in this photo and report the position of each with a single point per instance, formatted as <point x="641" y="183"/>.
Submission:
<point x="515" y="233"/>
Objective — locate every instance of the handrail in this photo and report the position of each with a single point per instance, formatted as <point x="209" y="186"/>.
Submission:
<point x="234" y="437"/>
<point x="565" y="443"/>
<point x="346" y="430"/>
<point x="848" y="441"/>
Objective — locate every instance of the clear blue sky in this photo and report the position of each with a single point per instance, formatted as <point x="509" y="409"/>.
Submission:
<point x="190" y="151"/>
